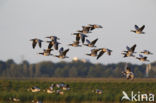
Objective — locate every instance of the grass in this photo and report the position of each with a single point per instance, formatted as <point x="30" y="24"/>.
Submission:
<point x="81" y="89"/>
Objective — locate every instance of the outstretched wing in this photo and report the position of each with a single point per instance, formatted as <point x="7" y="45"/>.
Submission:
<point x="141" y="56"/>
<point x="34" y="44"/>
<point x="77" y="37"/>
<point x="87" y="41"/>
<point x="61" y="50"/>
<point x="133" y="47"/>
<point x="142" y="28"/>
<point x="56" y="46"/>
<point x="136" y="27"/>
<point x="65" y="52"/>
<point x="50" y="45"/>
<point x="100" y="54"/>
<point x="83" y="37"/>
<point x="109" y="51"/>
<point x="127" y="48"/>
<point x="94" y="41"/>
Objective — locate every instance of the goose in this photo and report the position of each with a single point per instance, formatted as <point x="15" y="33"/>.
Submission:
<point x="35" y="41"/>
<point x="146" y="52"/>
<point x="91" y="44"/>
<point x="142" y="58"/>
<point x="53" y="38"/>
<point x="62" y="53"/>
<point x="138" y="30"/>
<point x="53" y="43"/>
<point x="129" y="51"/>
<point x="75" y="44"/>
<point x="35" y="89"/>
<point x="46" y="52"/>
<point x="128" y="73"/>
<point x="80" y="36"/>
<point x="14" y="99"/>
<point x="94" y="26"/>
<point x="65" y="87"/>
<point x="60" y="92"/>
<point x="103" y="50"/>
<point x="85" y="30"/>
<point x="98" y="91"/>
<point x="127" y="54"/>
<point x="49" y="91"/>
<point x="93" y="52"/>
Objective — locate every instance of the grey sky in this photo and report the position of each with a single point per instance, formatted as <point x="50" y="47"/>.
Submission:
<point x="21" y="20"/>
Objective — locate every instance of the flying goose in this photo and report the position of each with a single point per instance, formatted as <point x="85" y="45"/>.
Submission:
<point x="46" y="52"/>
<point x="35" y="41"/>
<point x="53" y="43"/>
<point x="128" y="73"/>
<point x="129" y="51"/>
<point x="85" y="30"/>
<point x="142" y="58"/>
<point x="146" y="52"/>
<point x="91" y="44"/>
<point x="94" y="26"/>
<point x="80" y="36"/>
<point x="75" y="44"/>
<point x="62" y="53"/>
<point x="103" y="50"/>
<point x="138" y="30"/>
<point x="53" y="38"/>
<point x="93" y="52"/>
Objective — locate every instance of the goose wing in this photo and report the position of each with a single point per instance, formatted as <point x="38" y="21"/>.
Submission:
<point x="65" y="52"/>
<point x="77" y="37"/>
<point x="94" y="41"/>
<point x="56" y="46"/>
<point x="50" y="45"/>
<point x="136" y="27"/>
<point x="141" y="56"/>
<point x="87" y="41"/>
<point x="127" y="48"/>
<point x="142" y="28"/>
<point x="83" y="36"/>
<point x="133" y="48"/>
<point x="34" y="44"/>
<point x="61" y="50"/>
<point x="100" y="54"/>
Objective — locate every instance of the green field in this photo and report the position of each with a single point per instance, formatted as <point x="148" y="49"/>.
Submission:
<point x="81" y="89"/>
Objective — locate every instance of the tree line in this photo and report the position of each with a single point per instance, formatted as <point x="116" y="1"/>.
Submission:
<point x="10" y="69"/>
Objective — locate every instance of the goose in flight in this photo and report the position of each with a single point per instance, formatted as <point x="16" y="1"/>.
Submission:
<point x="138" y="30"/>
<point x="128" y="73"/>
<point x="103" y="50"/>
<point x="93" y="52"/>
<point x="92" y="43"/>
<point x="94" y="26"/>
<point x="35" y="41"/>
<point x="53" y="43"/>
<point x="85" y="30"/>
<point x="142" y="58"/>
<point x="62" y="53"/>
<point x="129" y="51"/>
<point x="53" y="38"/>
<point x="80" y="36"/>
<point x="146" y="52"/>
<point x="75" y="44"/>
<point x="46" y="52"/>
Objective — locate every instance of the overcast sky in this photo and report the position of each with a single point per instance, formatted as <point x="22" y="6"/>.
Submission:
<point x="21" y="20"/>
